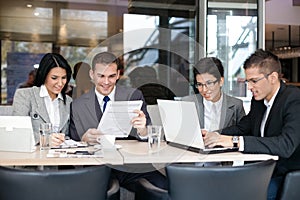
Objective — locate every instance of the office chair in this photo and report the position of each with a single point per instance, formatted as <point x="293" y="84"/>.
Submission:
<point x="187" y="181"/>
<point x="246" y="182"/>
<point x="71" y="184"/>
<point x="290" y="189"/>
<point x="113" y="193"/>
<point x="148" y="191"/>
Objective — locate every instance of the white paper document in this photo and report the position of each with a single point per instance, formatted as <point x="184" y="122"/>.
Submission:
<point x="116" y="119"/>
<point x="75" y="153"/>
<point x="70" y="144"/>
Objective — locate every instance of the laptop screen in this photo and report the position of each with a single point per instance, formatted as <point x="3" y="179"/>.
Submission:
<point x="16" y="134"/>
<point x="180" y="123"/>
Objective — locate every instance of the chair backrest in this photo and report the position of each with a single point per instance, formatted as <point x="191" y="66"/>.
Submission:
<point x="214" y="183"/>
<point x="71" y="184"/>
<point x="290" y="189"/>
<point x="155" y="117"/>
<point x="154" y="91"/>
<point x="154" y="114"/>
<point x="6" y="110"/>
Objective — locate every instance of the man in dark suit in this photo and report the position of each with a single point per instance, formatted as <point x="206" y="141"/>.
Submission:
<point x="272" y="125"/>
<point x="87" y="110"/>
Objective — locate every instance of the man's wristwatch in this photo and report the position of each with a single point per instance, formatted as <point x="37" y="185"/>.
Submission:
<point x="235" y="141"/>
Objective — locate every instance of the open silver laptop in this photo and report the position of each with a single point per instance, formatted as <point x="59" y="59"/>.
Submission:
<point x="181" y="126"/>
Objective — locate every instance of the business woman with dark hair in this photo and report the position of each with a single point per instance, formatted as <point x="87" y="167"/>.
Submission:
<point x="47" y="101"/>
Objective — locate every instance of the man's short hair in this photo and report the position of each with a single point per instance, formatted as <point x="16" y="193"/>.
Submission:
<point x="265" y="60"/>
<point x="105" y="58"/>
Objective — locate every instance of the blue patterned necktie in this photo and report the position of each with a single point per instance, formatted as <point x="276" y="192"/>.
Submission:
<point x="105" y="99"/>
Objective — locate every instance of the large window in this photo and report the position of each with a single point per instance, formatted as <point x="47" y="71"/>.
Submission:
<point x="170" y="45"/>
<point x="83" y="24"/>
<point x="232" y="36"/>
<point x="18" y="59"/>
<point x="30" y="29"/>
<point x="163" y="43"/>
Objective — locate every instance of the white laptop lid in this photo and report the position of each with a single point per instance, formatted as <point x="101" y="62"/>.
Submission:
<point x="180" y="123"/>
<point x="16" y="134"/>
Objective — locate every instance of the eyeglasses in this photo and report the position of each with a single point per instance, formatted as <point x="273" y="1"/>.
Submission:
<point x="254" y="81"/>
<point x="208" y="84"/>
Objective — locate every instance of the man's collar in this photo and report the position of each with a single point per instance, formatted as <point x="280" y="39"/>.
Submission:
<point x="270" y="103"/>
<point x="111" y="95"/>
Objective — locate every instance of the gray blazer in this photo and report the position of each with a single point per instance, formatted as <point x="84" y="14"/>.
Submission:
<point x="83" y="110"/>
<point x="27" y="102"/>
<point x="231" y="112"/>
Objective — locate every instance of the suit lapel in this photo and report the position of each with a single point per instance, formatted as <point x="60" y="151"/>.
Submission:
<point x="225" y="112"/>
<point x="258" y="116"/>
<point x="200" y="108"/>
<point x="274" y="106"/>
<point x="63" y="114"/>
<point x="41" y="106"/>
<point x="90" y="103"/>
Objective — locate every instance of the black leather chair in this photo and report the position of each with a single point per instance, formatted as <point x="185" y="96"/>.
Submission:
<point x="148" y="191"/>
<point x="71" y="184"/>
<point x="113" y="193"/>
<point x="187" y="181"/>
<point x="246" y="182"/>
<point x="290" y="188"/>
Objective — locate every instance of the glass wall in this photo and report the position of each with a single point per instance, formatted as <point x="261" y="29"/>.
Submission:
<point x="165" y="36"/>
<point x="232" y="30"/>
<point x="232" y="35"/>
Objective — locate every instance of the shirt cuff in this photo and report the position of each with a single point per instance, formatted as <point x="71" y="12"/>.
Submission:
<point x="242" y="144"/>
<point x="143" y="137"/>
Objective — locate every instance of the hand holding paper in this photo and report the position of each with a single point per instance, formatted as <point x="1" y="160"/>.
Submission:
<point x="118" y="116"/>
<point x="139" y="123"/>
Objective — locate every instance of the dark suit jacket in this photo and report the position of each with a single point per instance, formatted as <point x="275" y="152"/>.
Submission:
<point x="83" y="111"/>
<point x="282" y="129"/>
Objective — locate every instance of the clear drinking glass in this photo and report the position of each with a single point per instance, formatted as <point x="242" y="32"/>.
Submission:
<point x="154" y="137"/>
<point x="45" y="131"/>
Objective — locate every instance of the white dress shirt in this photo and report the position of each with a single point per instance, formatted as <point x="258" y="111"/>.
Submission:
<point x="269" y="106"/>
<point x="52" y="107"/>
<point x="212" y="115"/>
<point x="263" y="123"/>
<point x="101" y="96"/>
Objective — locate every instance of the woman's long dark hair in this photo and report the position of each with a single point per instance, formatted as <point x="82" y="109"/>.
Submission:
<point x="49" y="61"/>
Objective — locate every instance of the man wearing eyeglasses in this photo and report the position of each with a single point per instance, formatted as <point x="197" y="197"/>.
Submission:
<point x="272" y="124"/>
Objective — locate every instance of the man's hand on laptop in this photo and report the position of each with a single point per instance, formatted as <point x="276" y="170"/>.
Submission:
<point x="213" y="139"/>
<point x="91" y="135"/>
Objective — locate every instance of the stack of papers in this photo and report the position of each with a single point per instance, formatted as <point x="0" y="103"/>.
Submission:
<point x="75" y="153"/>
<point x="74" y="149"/>
<point x="71" y="144"/>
